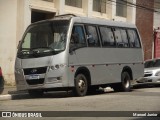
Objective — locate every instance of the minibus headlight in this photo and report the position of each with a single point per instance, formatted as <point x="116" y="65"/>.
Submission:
<point x="57" y="66"/>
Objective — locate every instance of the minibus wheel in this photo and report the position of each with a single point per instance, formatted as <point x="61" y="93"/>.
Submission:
<point x="81" y="85"/>
<point x="125" y="84"/>
<point x="35" y="93"/>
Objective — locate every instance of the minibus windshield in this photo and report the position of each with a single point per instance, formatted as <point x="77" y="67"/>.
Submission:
<point x="43" y="39"/>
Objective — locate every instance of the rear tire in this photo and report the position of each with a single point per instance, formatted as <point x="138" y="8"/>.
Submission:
<point x="35" y="93"/>
<point x="125" y="85"/>
<point x="81" y="85"/>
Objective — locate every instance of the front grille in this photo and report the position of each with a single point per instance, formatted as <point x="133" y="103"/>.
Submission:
<point x="35" y="81"/>
<point x="39" y="70"/>
<point x="147" y="75"/>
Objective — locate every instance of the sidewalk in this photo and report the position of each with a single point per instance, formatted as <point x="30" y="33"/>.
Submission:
<point x="8" y="89"/>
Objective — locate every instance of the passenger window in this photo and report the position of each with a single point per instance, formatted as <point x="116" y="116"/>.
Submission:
<point x="107" y="36"/>
<point x="133" y="39"/>
<point x="77" y="37"/>
<point x="121" y="37"/>
<point x="118" y="37"/>
<point x="124" y="37"/>
<point x="92" y="36"/>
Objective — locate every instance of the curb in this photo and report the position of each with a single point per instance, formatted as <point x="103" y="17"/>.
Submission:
<point x="5" y="97"/>
<point x="13" y="95"/>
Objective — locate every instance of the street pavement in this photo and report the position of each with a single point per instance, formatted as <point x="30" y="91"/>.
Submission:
<point x="140" y="99"/>
<point x="8" y="89"/>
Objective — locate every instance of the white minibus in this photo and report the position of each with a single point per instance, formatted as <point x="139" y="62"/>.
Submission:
<point x="80" y="54"/>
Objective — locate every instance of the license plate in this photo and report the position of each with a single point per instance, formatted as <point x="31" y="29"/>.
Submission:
<point x="31" y="77"/>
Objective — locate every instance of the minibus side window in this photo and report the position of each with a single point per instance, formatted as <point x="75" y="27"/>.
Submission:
<point x="118" y="37"/>
<point x="107" y="36"/>
<point x="77" y="37"/>
<point x="124" y="37"/>
<point x="121" y="37"/>
<point x="133" y="38"/>
<point x="92" y="36"/>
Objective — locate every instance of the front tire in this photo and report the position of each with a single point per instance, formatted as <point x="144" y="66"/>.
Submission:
<point x="81" y="85"/>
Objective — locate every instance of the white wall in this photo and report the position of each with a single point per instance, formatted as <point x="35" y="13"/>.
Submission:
<point x="8" y="23"/>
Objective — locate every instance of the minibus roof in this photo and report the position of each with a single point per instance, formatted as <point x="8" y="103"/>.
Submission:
<point x="87" y="20"/>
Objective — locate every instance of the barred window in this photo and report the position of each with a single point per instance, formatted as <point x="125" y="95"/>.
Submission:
<point x="74" y="3"/>
<point x="121" y="8"/>
<point x="99" y="6"/>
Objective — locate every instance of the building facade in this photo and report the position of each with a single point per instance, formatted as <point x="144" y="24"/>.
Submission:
<point x="156" y="26"/>
<point x="144" y="22"/>
<point x="16" y="15"/>
<point x="156" y="14"/>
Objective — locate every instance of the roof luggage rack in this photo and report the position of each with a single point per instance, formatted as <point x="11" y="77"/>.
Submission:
<point x="66" y="15"/>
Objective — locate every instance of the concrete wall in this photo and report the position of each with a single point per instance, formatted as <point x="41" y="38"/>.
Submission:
<point x="8" y="25"/>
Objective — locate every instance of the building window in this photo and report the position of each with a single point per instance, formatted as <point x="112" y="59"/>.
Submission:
<point x="74" y="3"/>
<point x="99" y="6"/>
<point x="121" y="8"/>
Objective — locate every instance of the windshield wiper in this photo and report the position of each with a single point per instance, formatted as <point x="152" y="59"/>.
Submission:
<point x="24" y="51"/>
<point x="42" y="50"/>
<point x="37" y="52"/>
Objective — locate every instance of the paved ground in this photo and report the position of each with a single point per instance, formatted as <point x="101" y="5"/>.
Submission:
<point x="141" y="99"/>
<point x="8" y="89"/>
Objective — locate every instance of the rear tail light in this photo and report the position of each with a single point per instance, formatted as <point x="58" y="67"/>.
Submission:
<point x="0" y="71"/>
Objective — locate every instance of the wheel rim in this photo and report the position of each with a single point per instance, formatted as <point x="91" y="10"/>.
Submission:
<point x="126" y="82"/>
<point x="81" y="85"/>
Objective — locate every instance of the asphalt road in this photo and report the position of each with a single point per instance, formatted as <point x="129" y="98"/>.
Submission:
<point x="140" y="99"/>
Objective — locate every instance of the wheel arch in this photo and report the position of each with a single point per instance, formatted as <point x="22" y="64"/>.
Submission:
<point x="129" y="70"/>
<point x="85" y="71"/>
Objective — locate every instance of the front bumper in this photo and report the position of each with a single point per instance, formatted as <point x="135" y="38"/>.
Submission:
<point x="149" y="80"/>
